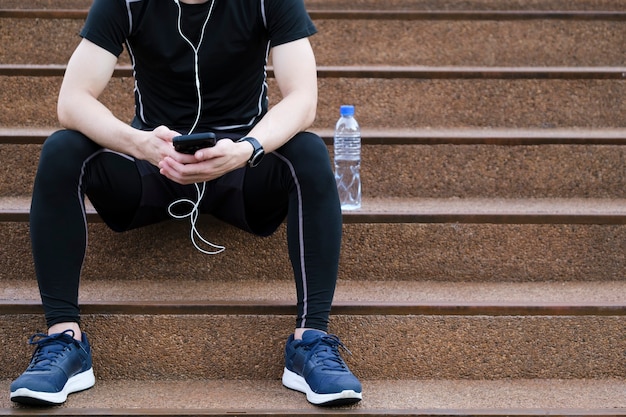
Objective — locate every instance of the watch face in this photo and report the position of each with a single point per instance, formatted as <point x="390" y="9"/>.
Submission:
<point x="257" y="153"/>
<point x="256" y="157"/>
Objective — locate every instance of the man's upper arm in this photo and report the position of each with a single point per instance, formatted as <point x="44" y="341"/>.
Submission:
<point x="294" y="67"/>
<point x="89" y="70"/>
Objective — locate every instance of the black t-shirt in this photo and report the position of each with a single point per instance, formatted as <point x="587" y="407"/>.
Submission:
<point x="232" y="55"/>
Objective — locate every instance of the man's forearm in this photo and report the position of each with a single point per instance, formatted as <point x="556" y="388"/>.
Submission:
<point x="89" y="116"/>
<point x="293" y="114"/>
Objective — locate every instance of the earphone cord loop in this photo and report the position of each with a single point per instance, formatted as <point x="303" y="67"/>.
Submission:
<point x="193" y="218"/>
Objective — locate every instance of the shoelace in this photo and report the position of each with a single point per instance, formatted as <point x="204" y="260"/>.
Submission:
<point x="326" y="352"/>
<point x="49" y="348"/>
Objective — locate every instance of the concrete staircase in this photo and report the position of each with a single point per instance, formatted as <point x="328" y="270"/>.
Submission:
<point x="485" y="274"/>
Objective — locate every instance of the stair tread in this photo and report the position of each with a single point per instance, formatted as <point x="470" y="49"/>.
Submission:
<point x="387" y="71"/>
<point x="364" y="291"/>
<point x="373" y="135"/>
<point x="380" y="397"/>
<point x="402" y="207"/>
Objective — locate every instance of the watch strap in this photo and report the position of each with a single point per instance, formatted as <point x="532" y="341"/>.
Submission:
<point x="257" y="152"/>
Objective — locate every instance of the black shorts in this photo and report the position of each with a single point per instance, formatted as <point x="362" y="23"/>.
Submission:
<point x="223" y="198"/>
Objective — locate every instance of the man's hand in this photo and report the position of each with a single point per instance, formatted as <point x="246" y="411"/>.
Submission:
<point x="206" y="164"/>
<point x="156" y="145"/>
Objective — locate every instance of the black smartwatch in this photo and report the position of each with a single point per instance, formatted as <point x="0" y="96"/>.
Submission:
<point x="257" y="153"/>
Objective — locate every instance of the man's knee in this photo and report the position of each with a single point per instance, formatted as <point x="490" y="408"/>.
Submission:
<point x="309" y="156"/>
<point x="65" y="150"/>
<point x="307" y="150"/>
<point x="307" y="144"/>
<point x="68" y="143"/>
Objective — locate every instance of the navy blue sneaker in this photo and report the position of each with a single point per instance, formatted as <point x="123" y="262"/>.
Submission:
<point x="314" y="366"/>
<point x="59" y="366"/>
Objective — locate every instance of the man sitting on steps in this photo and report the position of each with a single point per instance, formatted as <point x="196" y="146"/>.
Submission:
<point x="200" y="66"/>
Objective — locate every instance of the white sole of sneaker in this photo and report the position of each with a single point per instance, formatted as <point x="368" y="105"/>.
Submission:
<point x="79" y="382"/>
<point x="295" y="382"/>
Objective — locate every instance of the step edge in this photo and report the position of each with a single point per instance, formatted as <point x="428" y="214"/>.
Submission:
<point x="435" y="389"/>
<point x="160" y="412"/>
<point x="355" y="308"/>
<point x="428" y="210"/>
<point x="378" y="14"/>
<point x="364" y="291"/>
<point x="413" y="136"/>
<point x="384" y="72"/>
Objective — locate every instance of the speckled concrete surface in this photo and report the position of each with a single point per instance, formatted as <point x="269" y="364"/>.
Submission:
<point x="397" y="42"/>
<point x="395" y="103"/>
<point x="43" y="4"/>
<point x="163" y="346"/>
<point x="18" y="169"/>
<point x="453" y="396"/>
<point x="38" y="41"/>
<point x="349" y="291"/>
<point x="434" y="252"/>
<point x="475" y="103"/>
<point x="389" y="4"/>
<point x="467" y="43"/>
<point x="439" y="171"/>
<point x="447" y="171"/>
<point x="467" y="4"/>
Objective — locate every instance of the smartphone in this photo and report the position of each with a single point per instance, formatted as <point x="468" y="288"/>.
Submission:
<point x="191" y="143"/>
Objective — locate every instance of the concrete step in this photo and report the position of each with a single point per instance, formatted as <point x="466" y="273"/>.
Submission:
<point x="450" y="306"/>
<point x="381" y="398"/>
<point x="414" y="136"/>
<point x="381" y="37"/>
<point x="440" y="210"/>
<point x="250" y="346"/>
<point x="434" y="163"/>
<point x="446" y="240"/>
<point x="362" y="294"/>
<point x="396" y="98"/>
<point x="476" y="331"/>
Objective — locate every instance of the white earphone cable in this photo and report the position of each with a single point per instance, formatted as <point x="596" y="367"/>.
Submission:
<point x="193" y="217"/>
<point x="194" y="211"/>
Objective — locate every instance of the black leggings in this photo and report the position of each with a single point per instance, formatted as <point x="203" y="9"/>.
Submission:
<point x="295" y="181"/>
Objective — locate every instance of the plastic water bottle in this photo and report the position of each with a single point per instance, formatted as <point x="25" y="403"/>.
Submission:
<point x="347" y="150"/>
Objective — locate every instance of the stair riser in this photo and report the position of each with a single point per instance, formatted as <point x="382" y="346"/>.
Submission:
<point x="440" y="171"/>
<point x="463" y="4"/>
<point x="480" y="43"/>
<point x="45" y="4"/>
<point x="383" y="347"/>
<point x="389" y="4"/>
<point x="385" y="42"/>
<point x="380" y="103"/>
<point x="561" y="171"/>
<point x="403" y="103"/>
<point x="19" y="168"/>
<point x="396" y="252"/>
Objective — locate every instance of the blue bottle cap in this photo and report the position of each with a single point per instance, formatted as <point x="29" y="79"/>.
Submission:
<point x="347" y="110"/>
